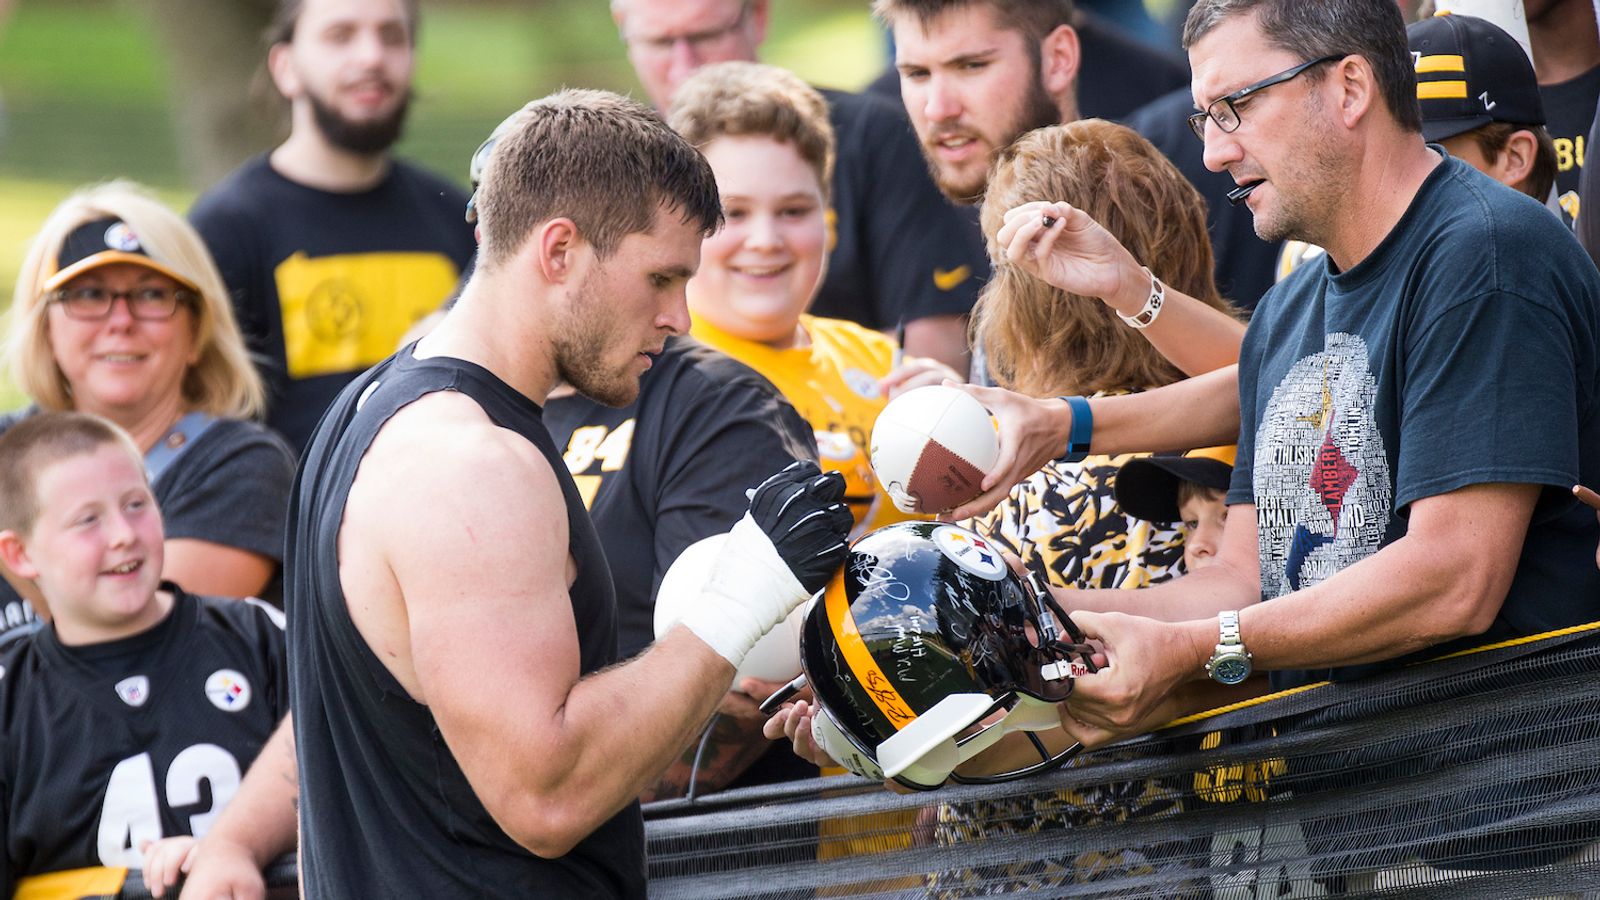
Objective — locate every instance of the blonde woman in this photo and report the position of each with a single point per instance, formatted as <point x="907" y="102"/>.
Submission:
<point x="119" y="311"/>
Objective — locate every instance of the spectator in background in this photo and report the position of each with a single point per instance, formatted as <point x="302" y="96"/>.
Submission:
<point x="133" y="715"/>
<point x="977" y="74"/>
<point x="330" y="247"/>
<point x="898" y="253"/>
<point x="119" y="311"/>
<point x="767" y="137"/>
<point x="1120" y="71"/>
<point x="1566" y="55"/>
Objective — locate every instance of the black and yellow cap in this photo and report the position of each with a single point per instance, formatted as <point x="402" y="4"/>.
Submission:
<point x="1147" y="486"/>
<point x="102" y="242"/>
<point x="1471" y="72"/>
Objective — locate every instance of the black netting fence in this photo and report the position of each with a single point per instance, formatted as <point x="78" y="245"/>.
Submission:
<point x="1475" y="776"/>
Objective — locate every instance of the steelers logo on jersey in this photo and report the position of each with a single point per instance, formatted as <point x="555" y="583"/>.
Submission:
<point x="228" y="690"/>
<point x="862" y="383"/>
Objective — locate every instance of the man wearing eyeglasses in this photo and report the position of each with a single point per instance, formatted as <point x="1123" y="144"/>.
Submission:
<point x="900" y="256"/>
<point x="1413" y="408"/>
<point x="331" y="247"/>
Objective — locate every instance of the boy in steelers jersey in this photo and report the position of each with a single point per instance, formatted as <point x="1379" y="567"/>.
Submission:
<point x="134" y="714"/>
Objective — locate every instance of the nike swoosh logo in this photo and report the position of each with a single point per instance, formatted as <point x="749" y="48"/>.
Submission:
<point x="949" y="279"/>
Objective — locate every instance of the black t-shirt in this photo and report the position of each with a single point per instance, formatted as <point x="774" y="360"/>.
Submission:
<point x="230" y="487"/>
<point x="105" y="746"/>
<point x="1569" y="110"/>
<point x="325" y="284"/>
<point x="1588" y="229"/>
<point x="1118" y="73"/>
<point x="1464" y="350"/>
<point x="384" y="804"/>
<point x="1244" y="263"/>
<point x="674" y="466"/>
<point x="899" y="250"/>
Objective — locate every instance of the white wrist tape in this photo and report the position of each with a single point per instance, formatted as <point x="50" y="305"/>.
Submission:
<point x="749" y="591"/>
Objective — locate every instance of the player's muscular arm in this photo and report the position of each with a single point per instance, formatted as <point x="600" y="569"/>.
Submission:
<point x="473" y="529"/>
<point x="478" y="546"/>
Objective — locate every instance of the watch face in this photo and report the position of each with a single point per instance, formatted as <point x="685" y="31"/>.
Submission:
<point x="1231" y="670"/>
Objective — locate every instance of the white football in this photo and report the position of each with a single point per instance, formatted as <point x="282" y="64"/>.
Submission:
<point x="931" y="448"/>
<point x="776" y="657"/>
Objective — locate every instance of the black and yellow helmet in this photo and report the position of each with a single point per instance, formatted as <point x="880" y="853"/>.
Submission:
<point x="926" y="649"/>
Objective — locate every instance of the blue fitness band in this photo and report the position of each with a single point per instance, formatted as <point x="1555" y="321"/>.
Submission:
<point x="1082" y="429"/>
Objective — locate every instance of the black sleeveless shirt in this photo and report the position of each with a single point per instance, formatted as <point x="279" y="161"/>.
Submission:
<point x="385" y="810"/>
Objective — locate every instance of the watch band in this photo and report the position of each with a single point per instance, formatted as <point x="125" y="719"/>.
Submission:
<point x="1082" y="429"/>
<point x="1228" y="626"/>
<point x="1152" y="304"/>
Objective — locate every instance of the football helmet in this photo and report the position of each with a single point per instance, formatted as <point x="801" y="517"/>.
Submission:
<point x="926" y="649"/>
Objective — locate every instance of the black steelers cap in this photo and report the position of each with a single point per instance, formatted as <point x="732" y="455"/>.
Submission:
<point x="1470" y="72"/>
<point x="1147" y="486"/>
<point x="102" y="242"/>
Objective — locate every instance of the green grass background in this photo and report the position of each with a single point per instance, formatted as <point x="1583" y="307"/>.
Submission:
<point x="83" y="87"/>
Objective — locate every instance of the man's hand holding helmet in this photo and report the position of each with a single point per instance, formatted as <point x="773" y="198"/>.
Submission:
<point x="783" y="551"/>
<point x="1137" y="690"/>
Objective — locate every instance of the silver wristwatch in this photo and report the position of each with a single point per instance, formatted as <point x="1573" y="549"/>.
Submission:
<point x="1230" y="661"/>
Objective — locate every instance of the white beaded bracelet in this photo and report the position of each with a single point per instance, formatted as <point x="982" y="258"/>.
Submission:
<point x="1145" y="317"/>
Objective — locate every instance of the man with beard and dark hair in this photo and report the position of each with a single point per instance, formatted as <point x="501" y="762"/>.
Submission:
<point x="330" y="247"/>
<point x="976" y="74"/>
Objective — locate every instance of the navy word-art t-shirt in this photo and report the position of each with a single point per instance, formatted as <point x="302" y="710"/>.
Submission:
<point x="1461" y="351"/>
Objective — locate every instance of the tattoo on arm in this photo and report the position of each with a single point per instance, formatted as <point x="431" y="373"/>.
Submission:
<point x="732" y="746"/>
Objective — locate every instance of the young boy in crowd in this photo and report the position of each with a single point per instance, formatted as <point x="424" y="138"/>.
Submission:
<point x="133" y="715"/>
<point x="1188" y="489"/>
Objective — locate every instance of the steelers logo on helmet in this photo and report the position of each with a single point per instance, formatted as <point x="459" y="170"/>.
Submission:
<point x="970" y="552"/>
<point x="923" y="653"/>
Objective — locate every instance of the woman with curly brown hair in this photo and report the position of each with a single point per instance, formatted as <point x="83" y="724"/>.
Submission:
<point x="1042" y="341"/>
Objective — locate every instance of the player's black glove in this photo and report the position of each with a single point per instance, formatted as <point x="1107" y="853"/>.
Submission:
<point x="801" y="510"/>
<point x="785" y="549"/>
